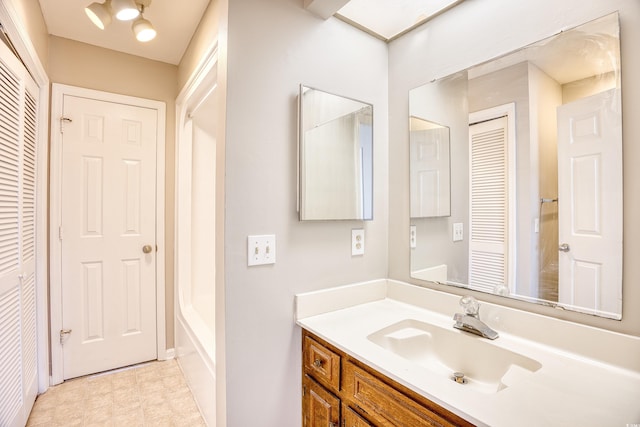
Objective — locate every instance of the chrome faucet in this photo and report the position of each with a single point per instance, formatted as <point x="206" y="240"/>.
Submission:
<point x="470" y="320"/>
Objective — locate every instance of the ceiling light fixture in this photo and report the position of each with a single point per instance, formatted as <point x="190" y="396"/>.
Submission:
<point x="142" y="28"/>
<point x="125" y="10"/>
<point x="101" y="15"/>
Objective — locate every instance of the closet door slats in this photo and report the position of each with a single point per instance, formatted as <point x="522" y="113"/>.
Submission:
<point x="18" y="167"/>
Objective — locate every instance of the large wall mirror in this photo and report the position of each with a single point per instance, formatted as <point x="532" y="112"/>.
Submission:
<point x="336" y="157"/>
<point x="535" y="150"/>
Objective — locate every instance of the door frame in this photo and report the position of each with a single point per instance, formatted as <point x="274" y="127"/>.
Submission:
<point x="58" y="91"/>
<point x="12" y="21"/>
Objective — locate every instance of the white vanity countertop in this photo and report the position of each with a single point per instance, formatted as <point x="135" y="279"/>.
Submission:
<point x="589" y="376"/>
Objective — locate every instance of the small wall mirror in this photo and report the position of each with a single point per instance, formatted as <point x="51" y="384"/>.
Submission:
<point x="336" y="157"/>
<point x="536" y="174"/>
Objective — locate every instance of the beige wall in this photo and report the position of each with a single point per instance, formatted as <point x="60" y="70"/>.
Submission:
<point x="79" y="64"/>
<point x="273" y="47"/>
<point x="30" y="15"/>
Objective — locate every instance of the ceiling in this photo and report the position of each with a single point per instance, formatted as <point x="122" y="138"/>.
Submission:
<point x="389" y="19"/>
<point x="174" y="23"/>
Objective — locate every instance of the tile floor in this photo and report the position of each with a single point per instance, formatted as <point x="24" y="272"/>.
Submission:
<point x="150" y="394"/>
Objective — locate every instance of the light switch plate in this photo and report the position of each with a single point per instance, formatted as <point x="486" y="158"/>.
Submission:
<point x="413" y="237"/>
<point x="261" y="250"/>
<point x="357" y="241"/>
<point x="458" y="231"/>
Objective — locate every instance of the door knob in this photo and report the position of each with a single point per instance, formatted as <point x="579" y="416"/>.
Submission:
<point x="564" y="247"/>
<point x="147" y="249"/>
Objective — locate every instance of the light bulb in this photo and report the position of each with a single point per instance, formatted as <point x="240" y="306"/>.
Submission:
<point x="99" y="13"/>
<point x="125" y="10"/>
<point x="143" y="30"/>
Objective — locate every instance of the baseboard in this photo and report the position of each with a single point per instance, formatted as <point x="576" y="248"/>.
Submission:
<point x="169" y="354"/>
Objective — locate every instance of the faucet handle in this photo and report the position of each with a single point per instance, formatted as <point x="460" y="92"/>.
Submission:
<point x="470" y="305"/>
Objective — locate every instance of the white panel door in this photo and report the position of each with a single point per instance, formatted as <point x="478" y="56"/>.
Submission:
<point x="430" y="180"/>
<point x="108" y="217"/>
<point x="590" y="203"/>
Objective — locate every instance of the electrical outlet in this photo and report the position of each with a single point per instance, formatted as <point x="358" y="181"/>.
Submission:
<point x="458" y="231"/>
<point x="413" y="237"/>
<point x="357" y="241"/>
<point x="261" y="249"/>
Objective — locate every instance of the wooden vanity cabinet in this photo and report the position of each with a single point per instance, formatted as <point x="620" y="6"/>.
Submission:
<point x="340" y="391"/>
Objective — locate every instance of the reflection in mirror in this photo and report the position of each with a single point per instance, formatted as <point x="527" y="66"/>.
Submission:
<point x="429" y="167"/>
<point x="536" y="174"/>
<point x="336" y="157"/>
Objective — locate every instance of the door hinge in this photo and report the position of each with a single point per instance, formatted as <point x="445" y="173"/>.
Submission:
<point x="62" y="122"/>
<point x="63" y="334"/>
<point x="60" y="232"/>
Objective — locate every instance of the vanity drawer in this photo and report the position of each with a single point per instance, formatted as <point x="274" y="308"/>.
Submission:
<point x="321" y="363"/>
<point x="383" y="403"/>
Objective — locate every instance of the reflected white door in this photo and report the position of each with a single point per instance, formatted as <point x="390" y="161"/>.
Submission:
<point x="429" y="166"/>
<point x="108" y="217"/>
<point x="590" y="203"/>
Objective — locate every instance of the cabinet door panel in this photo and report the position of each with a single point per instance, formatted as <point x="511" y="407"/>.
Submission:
<point x="388" y="406"/>
<point x="319" y="407"/>
<point x="351" y="419"/>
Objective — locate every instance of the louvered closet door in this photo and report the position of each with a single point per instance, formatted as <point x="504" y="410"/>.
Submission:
<point x="488" y="244"/>
<point x="18" y="375"/>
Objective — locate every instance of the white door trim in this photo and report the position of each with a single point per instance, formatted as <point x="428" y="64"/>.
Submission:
<point x="19" y="35"/>
<point x="57" y="93"/>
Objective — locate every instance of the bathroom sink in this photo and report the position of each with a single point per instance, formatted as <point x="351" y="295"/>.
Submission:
<point x="486" y="367"/>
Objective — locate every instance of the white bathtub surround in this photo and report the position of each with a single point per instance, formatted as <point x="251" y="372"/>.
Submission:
<point x="199" y="285"/>
<point x="195" y="350"/>
<point x="589" y="376"/>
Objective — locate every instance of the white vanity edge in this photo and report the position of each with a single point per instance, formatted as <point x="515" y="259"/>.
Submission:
<point x="332" y="299"/>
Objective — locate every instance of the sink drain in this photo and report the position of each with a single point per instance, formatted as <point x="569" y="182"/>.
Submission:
<point x="459" y="378"/>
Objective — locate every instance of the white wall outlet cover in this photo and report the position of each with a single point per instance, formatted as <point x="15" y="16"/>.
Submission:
<point x="261" y="249"/>
<point x="413" y="236"/>
<point x="357" y="241"/>
<point x="458" y="231"/>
